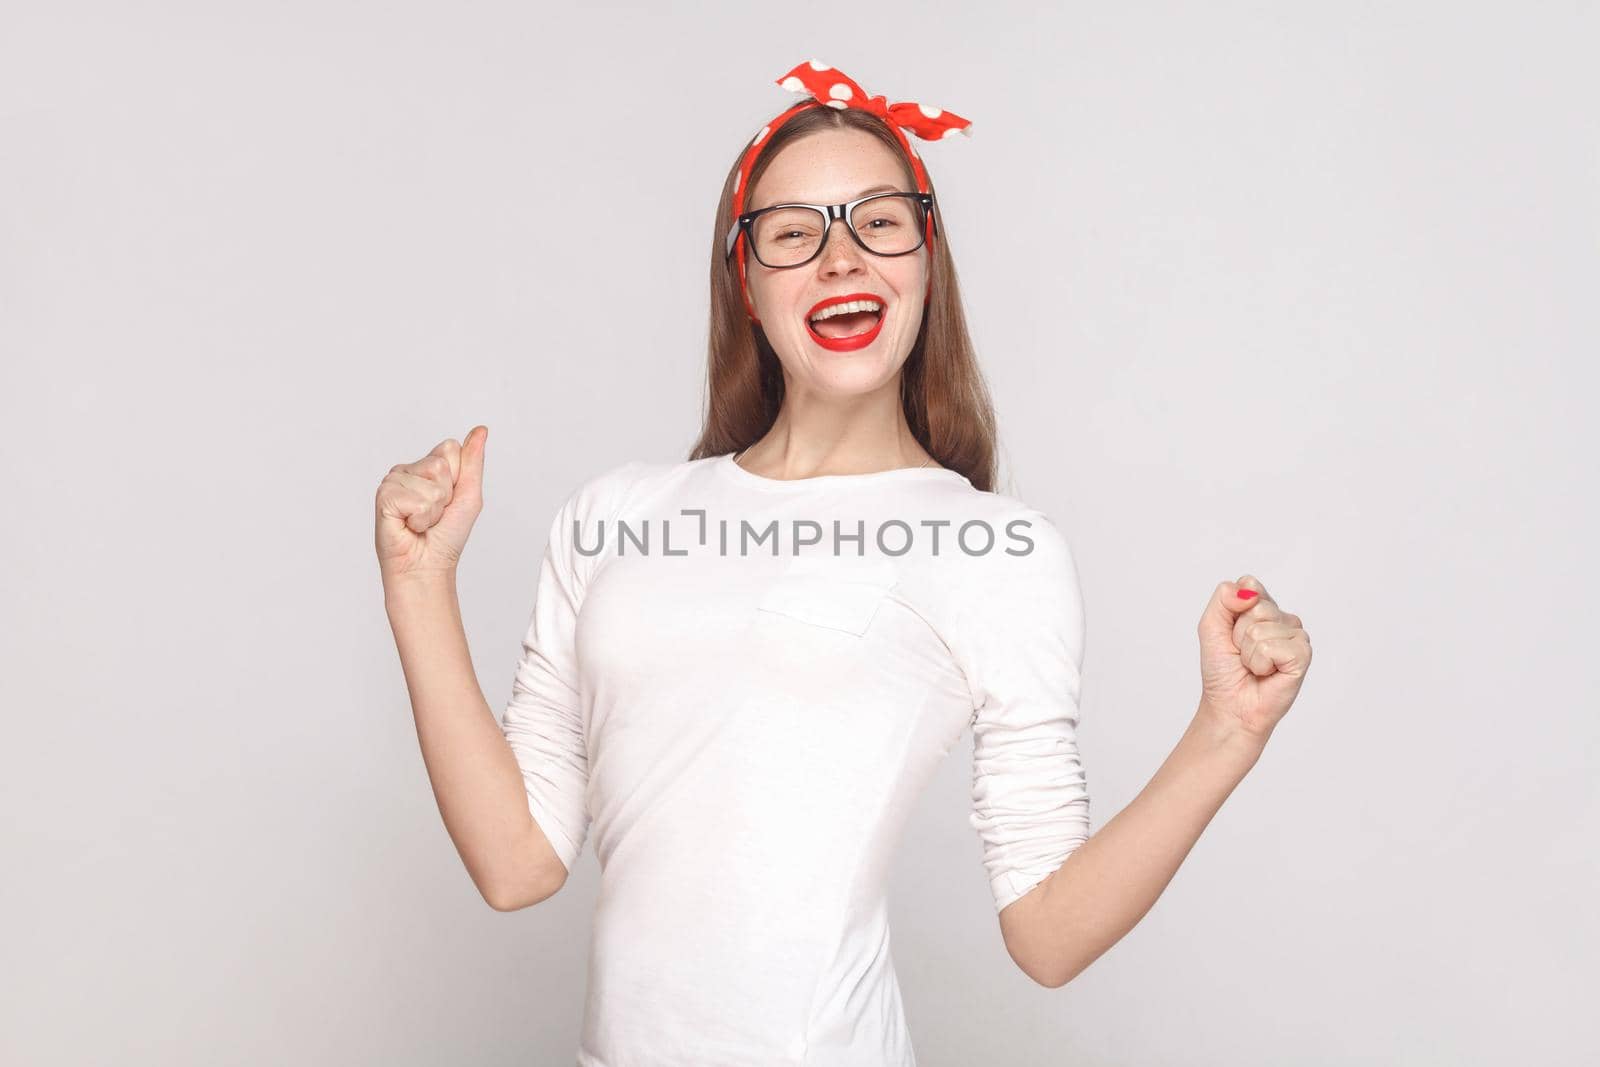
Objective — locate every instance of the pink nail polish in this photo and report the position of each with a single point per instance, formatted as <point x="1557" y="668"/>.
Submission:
<point x="1245" y="594"/>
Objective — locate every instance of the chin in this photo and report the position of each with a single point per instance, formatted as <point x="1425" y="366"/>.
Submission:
<point x="851" y="373"/>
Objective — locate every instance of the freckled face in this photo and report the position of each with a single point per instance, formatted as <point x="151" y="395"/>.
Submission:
<point x="832" y="167"/>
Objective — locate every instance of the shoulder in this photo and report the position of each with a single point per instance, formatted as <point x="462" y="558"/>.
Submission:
<point x="601" y="495"/>
<point x="1010" y="543"/>
<point x="609" y="492"/>
<point x="1026" y="584"/>
<point x="586" y="512"/>
<point x="1014" y="616"/>
<point x="994" y="552"/>
<point x="593" y="508"/>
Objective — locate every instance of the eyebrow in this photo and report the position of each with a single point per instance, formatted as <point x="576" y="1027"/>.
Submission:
<point x="859" y="195"/>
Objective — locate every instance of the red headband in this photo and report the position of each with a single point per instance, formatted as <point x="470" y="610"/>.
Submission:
<point x="831" y="87"/>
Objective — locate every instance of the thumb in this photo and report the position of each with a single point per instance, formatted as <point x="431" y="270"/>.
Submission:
<point x="1228" y="601"/>
<point x="471" y="476"/>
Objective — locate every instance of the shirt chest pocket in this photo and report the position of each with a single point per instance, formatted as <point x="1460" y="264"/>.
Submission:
<point x="836" y="593"/>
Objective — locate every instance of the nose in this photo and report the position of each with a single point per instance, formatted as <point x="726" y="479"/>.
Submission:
<point x="840" y="254"/>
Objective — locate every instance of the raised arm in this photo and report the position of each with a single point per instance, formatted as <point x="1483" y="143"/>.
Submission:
<point x="425" y="511"/>
<point x="1253" y="660"/>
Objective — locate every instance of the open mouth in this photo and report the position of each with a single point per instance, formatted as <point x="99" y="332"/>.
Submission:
<point x="847" y="325"/>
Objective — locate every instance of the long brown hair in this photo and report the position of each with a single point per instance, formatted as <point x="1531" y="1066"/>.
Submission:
<point x="942" y="391"/>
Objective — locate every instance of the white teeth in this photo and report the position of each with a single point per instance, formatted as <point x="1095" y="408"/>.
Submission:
<point x="846" y="309"/>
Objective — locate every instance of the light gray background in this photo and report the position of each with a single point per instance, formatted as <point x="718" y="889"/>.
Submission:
<point x="1309" y="294"/>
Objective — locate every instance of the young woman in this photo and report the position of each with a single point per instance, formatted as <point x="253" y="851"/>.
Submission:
<point x="741" y="669"/>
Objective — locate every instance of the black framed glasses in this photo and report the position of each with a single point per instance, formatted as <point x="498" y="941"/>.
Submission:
<point x="792" y="235"/>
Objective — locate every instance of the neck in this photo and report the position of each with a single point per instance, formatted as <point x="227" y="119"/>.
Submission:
<point x="780" y="454"/>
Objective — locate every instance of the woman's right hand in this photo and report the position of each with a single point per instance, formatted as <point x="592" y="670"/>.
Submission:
<point x="426" y="509"/>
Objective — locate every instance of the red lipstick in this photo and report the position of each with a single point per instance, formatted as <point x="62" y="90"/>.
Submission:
<point x="860" y="340"/>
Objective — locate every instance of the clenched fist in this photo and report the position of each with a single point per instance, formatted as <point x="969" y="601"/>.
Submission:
<point x="1253" y="657"/>
<point x="426" y="509"/>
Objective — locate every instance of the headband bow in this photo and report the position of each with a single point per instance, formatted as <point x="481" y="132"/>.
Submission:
<point x="833" y="88"/>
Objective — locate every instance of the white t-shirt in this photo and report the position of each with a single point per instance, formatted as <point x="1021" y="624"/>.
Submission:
<point x="744" y="728"/>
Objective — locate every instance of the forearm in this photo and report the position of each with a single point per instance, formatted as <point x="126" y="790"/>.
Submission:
<point x="1113" y="879"/>
<point x="476" y="781"/>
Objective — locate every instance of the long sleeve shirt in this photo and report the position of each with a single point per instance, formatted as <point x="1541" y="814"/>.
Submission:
<point x="737" y="687"/>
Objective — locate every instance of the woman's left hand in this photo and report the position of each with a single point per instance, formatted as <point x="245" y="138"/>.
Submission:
<point x="1253" y="657"/>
